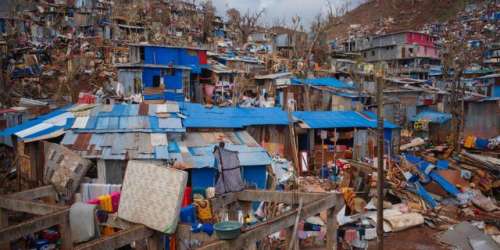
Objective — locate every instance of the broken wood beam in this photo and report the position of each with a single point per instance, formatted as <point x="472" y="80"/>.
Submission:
<point x="36" y="193"/>
<point x="29" y="207"/>
<point x="273" y="225"/>
<point x="17" y="231"/>
<point x="291" y="198"/>
<point x="4" y="222"/>
<point x="118" y="239"/>
<point x="222" y="201"/>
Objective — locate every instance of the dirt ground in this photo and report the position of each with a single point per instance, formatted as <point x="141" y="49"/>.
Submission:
<point x="417" y="238"/>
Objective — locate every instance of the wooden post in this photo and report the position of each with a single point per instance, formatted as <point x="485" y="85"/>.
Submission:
<point x="380" y="160"/>
<point x="4" y="222"/>
<point x="155" y="242"/>
<point x="65" y="231"/>
<point x="293" y="245"/>
<point x="332" y="227"/>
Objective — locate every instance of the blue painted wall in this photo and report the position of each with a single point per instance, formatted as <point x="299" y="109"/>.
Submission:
<point x="171" y="81"/>
<point x="202" y="178"/>
<point x="176" y="56"/>
<point x="255" y="176"/>
<point x="496" y="91"/>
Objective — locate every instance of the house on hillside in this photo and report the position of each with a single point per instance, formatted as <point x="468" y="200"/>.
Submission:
<point x="408" y="53"/>
<point x="111" y="135"/>
<point x="490" y="85"/>
<point x="161" y="72"/>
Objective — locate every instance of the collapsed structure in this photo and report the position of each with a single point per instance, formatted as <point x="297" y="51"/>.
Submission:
<point x="159" y="124"/>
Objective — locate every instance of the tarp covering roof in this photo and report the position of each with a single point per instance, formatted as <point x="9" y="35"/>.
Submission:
<point x="325" y="81"/>
<point x="199" y="116"/>
<point x="432" y="116"/>
<point x="338" y="119"/>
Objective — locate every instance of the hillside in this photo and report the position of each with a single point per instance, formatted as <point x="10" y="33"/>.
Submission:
<point x="383" y="16"/>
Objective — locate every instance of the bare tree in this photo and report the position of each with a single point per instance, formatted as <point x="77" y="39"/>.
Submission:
<point x="244" y="24"/>
<point x="208" y="18"/>
<point x="456" y="56"/>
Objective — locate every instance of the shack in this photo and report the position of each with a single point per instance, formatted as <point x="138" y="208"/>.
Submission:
<point x="162" y="72"/>
<point x="433" y="125"/>
<point x="328" y="135"/>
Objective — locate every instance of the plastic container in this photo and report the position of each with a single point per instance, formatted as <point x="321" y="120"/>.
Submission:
<point x="228" y="230"/>
<point x="188" y="214"/>
<point x="186" y="199"/>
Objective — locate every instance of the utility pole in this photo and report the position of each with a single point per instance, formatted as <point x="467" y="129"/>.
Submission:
<point x="380" y="158"/>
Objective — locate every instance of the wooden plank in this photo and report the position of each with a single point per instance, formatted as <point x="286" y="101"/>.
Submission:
<point x="4" y="222"/>
<point x="292" y="244"/>
<point x="280" y="197"/>
<point x="30" y="207"/>
<point x="36" y="193"/>
<point x="34" y="225"/>
<point x="221" y="202"/>
<point x="155" y="242"/>
<point x="273" y="225"/>
<point x="184" y="232"/>
<point x="118" y="239"/>
<point x="65" y="231"/>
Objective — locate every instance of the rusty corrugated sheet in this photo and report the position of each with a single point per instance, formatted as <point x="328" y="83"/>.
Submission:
<point x="143" y="109"/>
<point x="82" y="141"/>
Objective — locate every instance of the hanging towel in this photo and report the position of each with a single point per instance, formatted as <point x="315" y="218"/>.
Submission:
<point x="228" y="165"/>
<point x="91" y="191"/>
<point x="115" y="200"/>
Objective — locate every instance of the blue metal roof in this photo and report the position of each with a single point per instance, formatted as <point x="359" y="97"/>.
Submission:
<point x="338" y="119"/>
<point x="231" y="117"/>
<point x="373" y="116"/>
<point x="325" y="81"/>
<point x="432" y="116"/>
<point x="42" y="125"/>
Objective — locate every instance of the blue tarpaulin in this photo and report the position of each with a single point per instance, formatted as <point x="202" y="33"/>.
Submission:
<point x="338" y="119"/>
<point x="199" y="116"/>
<point x="325" y="81"/>
<point x="432" y="116"/>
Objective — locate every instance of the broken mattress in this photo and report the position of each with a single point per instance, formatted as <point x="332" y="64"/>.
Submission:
<point x="152" y="195"/>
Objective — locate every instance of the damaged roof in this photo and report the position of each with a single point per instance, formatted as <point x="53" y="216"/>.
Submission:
<point x="338" y="119"/>
<point x="324" y="81"/>
<point x="85" y="118"/>
<point x="44" y="126"/>
<point x="432" y="116"/>
<point x="195" y="150"/>
<point x="199" y="116"/>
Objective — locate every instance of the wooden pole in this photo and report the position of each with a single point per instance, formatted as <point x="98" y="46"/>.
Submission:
<point x="380" y="161"/>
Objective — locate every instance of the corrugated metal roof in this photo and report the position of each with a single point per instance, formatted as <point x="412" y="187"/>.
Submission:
<point x="118" y="146"/>
<point x="325" y="81"/>
<point x="231" y="117"/>
<point x="274" y="76"/>
<point x="432" y="116"/>
<point x="337" y="119"/>
<point x="202" y="157"/>
<point x="45" y="126"/>
<point x="86" y="118"/>
<point x="196" y="148"/>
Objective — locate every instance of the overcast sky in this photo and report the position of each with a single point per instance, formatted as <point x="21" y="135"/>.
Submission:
<point x="306" y="9"/>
